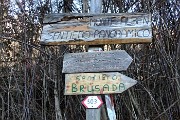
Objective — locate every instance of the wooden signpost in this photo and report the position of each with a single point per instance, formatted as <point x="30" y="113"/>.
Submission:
<point x="116" y="60"/>
<point x="96" y="72"/>
<point x="97" y="83"/>
<point x="94" y="29"/>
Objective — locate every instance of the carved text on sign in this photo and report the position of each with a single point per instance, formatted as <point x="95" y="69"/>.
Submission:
<point x="104" y="27"/>
<point x="121" y="21"/>
<point x="116" y="60"/>
<point x="98" y="34"/>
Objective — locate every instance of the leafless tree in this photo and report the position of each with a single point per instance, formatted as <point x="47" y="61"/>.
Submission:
<point x="32" y="83"/>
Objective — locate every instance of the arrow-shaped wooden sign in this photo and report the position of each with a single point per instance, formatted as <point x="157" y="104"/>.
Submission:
<point x="116" y="60"/>
<point x="97" y="83"/>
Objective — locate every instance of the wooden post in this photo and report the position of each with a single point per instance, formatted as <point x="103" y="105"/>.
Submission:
<point x="95" y="7"/>
<point x="93" y="114"/>
<point x="85" y="6"/>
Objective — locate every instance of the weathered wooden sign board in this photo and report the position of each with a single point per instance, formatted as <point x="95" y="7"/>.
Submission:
<point x="96" y="29"/>
<point x="97" y="83"/>
<point x="116" y="60"/>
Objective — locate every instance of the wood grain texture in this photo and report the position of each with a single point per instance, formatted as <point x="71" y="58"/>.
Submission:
<point x="58" y="17"/>
<point x="96" y="29"/>
<point x="116" y="60"/>
<point x="97" y="83"/>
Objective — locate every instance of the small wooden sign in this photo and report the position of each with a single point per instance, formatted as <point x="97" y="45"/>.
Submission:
<point x="94" y="29"/>
<point x="116" y="60"/>
<point x="97" y="83"/>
